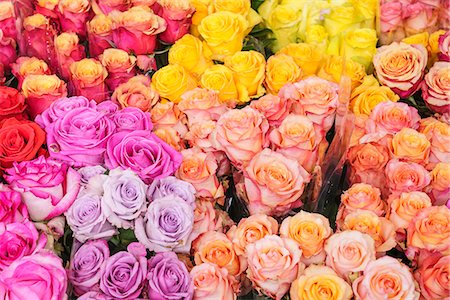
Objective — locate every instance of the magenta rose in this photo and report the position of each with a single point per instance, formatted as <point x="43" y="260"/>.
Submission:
<point x="93" y="296"/>
<point x="178" y="17"/>
<point x="444" y="46"/>
<point x="142" y="152"/>
<point x="48" y="187"/>
<point x="7" y="50"/>
<point x="132" y="118"/>
<point x="12" y="209"/>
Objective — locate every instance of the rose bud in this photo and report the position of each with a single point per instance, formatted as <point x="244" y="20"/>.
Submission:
<point x="120" y="66"/>
<point x="99" y="34"/>
<point x="74" y="15"/>
<point x="49" y="8"/>
<point x="178" y="16"/>
<point x="25" y="66"/>
<point x="68" y="50"/>
<point x="88" y="79"/>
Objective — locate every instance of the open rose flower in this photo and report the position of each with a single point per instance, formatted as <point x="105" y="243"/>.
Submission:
<point x="120" y="66"/>
<point x="438" y="133"/>
<point x="406" y="176"/>
<point x="73" y="15"/>
<point x="207" y="218"/>
<point x="410" y="145"/>
<point x="136" y="92"/>
<point x="404" y="207"/>
<point x="178" y="17"/>
<point x="99" y="30"/>
<point x="132" y="118"/>
<point x="68" y="50"/>
<point x="166" y="114"/>
<point x="440" y="183"/>
<point x="432" y="276"/>
<point x="172" y="81"/>
<point x="48" y="187"/>
<point x="199" y="135"/>
<point x="212" y="282"/>
<point x="12" y="209"/>
<point x="436" y="87"/>
<point x="274" y="108"/>
<point x="25" y="66"/>
<point x="171" y="185"/>
<point x="391" y="117"/>
<point x="87" y="78"/>
<point x="12" y="104"/>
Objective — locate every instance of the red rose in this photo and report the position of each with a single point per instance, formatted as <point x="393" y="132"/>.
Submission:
<point x="12" y="104"/>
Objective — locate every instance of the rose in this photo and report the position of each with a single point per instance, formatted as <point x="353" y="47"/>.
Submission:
<point x="132" y="118"/>
<point x="404" y="207"/>
<point x="444" y="46"/>
<point x="170" y="136"/>
<point x="172" y="81"/>
<point x="349" y="252"/>
<point x="169" y="186"/>
<point x="178" y="16"/>
<point x="436" y="87"/>
<point x="93" y="296"/>
<point x="242" y="7"/>
<point x="360" y="45"/>
<point x="107" y="6"/>
<point x="440" y="183"/>
<point x="199" y="136"/>
<point x="206" y="218"/>
<point x="87" y="78"/>
<point x="391" y="16"/>
<point x="41" y="91"/>
<point x="401" y="67"/>
<point x="120" y="66"/>
<point x="385" y="278"/>
<point x="38" y="276"/>
<point x="410" y="145"/>
<point x="274" y="183"/>
<point x="340" y="19"/>
<point x="25" y="66"/>
<point x="212" y="282"/>
<point x="122" y="275"/>
<point x="143" y="153"/>
<point x="406" y="176"/>
<point x="438" y="133"/>
<point x="432" y="275"/>
<point x="135" y="30"/>
<point x="7" y="50"/>
<point x="419" y="38"/>
<point x="274" y="108"/>
<point x="241" y="134"/>
<point x="168" y="278"/>
<point x="87" y="220"/>
<point x="221" y="78"/>
<point x="361" y="196"/>
<point x="12" y="209"/>
<point x="90" y="171"/>
<point x="419" y="17"/>
<point x="433" y="44"/>
<point x="136" y="92"/>
<point x="12" y="104"/>
<point x="280" y="70"/>
<point x="333" y="69"/>
<point x="84" y="269"/>
<point x="48" y="187"/>
<point x="316" y="34"/>
<point x="7" y="20"/>
<point x="318" y="282"/>
<point x="251" y="229"/>
<point x="307" y="56"/>
<point x="99" y="31"/>
<point x="391" y="117"/>
<point x="166" y="225"/>
<point x="167" y="114"/>
<point x="18" y="240"/>
<point x="309" y="231"/>
<point x="68" y="50"/>
<point x="49" y="8"/>
<point x="20" y="141"/>
<point x="429" y="230"/>
<point x="73" y="16"/>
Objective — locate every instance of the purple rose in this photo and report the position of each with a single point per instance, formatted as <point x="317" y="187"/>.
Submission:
<point x="167" y="225"/>
<point x="132" y="118"/>
<point x="93" y="296"/>
<point x="123" y="274"/>
<point x="90" y="171"/>
<point x="124" y="197"/>
<point x="48" y="187"/>
<point x="84" y="270"/>
<point x="87" y="220"/>
<point x="108" y="107"/>
<point x="172" y="186"/>
<point x="142" y="152"/>
<point x="168" y="278"/>
<point x="12" y="209"/>
<point x="80" y="137"/>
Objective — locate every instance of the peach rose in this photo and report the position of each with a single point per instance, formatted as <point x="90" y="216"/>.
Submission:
<point x="404" y="207"/>
<point x="99" y="34"/>
<point x="280" y="70"/>
<point x="349" y="252"/>
<point x="438" y="133"/>
<point x="214" y="247"/>
<point x="430" y="230"/>
<point x="87" y="78"/>
<point x="433" y="277"/>
<point x="73" y="16"/>
<point x="361" y="196"/>
<point x="241" y="134"/>
<point x="406" y="176"/>
<point x="170" y="136"/>
<point x="385" y="278"/>
<point x="136" y="92"/>
<point x="120" y="66"/>
<point x="436" y="87"/>
<point x="320" y="282"/>
<point x="199" y="135"/>
<point x="309" y="231"/>
<point x="379" y="228"/>
<point x="199" y="169"/>
<point x="25" y="66"/>
<point x="205" y="218"/>
<point x="167" y="114"/>
<point x="273" y="264"/>
<point x="296" y="139"/>
<point x="68" y="50"/>
<point x="307" y="56"/>
<point x="251" y="229"/>
<point x="410" y="145"/>
<point x="359" y="129"/>
<point x="401" y="67"/>
<point x="440" y="183"/>
<point x="444" y="46"/>
<point x="274" y="183"/>
<point x="391" y="117"/>
<point x="419" y="17"/>
<point x="274" y="108"/>
<point x="212" y="282"/>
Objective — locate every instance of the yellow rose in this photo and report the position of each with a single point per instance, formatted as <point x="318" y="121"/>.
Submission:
<point x="242" y="7"/>
<point x="340" y="19"/>
<point x="100" y="25"/>
<point x="433" y="41"/>
<point x="360" y="45"/>
<point x="221" y="79"/>
<point x="368" y="95"/>
<point x="333" y="66"/>
<point x="48" y="4"/>
<point x="203" y="8"/>
<point x="410" y="145"/>
<point x="365" y="11"/>
<point x="25" y="66"/>
<point x="307" y="56"/>
<point x="224" y="33"/>
<point x="281" y="69"/>
<point x="312" y="15"/>
<point x="249" y="70"/>
<point x="74" y="6"/>
<point x="66" y="42"/>
<point x="316" y="34"/>
<point x="172" y="81"/>
<point x="191" y="53"/>
<point x="6" y="10"/>
<point x="35" y="21"/>
<point x="419" y="38"/>
<point x="88" y="71"/>
<point x="40" y="85"/>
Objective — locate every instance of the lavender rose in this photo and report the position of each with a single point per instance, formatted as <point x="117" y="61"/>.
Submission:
<point x="172" y="186"/>
<point x="123" y="274"/>
<point x="84" y="270"/>
<point x="87" y="220"/>
<point x="90" y="171"/>
<point x="168" y="278"/>
<point x="142" y="152"/>
<point x="48" y="187"/>
<point x="132" y="118"/>
<point x="167" y="225"/>
<point x="124" y="197"/>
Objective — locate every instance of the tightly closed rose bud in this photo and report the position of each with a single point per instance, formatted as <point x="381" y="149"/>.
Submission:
<point x="99" y="34"/>
<point x="436" y="88"/>
<point x="135" y="30"/>
<point x="73" y="16"/>
<point x="222" y="79"/>
<point x="7" y="19"/>
<point x="432" y="276"/>
<point x="68" y="50"/>
<point x="440" y="183"/>
<point x="87" y="78"/>
<point x="406" y="176"/>
<point x="307" y="56"/>
<point x="410" y="145"/>
<point x="7" y="51"/>
<point x="404" y="207"/>
<point x="178" y="16"/>
<point x="274" y="108"/>
<point x="172" y="81"/>
<point x="361" y="196"/>
<point x="212" y="282"/>
<point x="41" y="91"/>
<point x="120" y="66"/>
<point x="281" y="69"/>
<point x="136" y="92"/>
<point x="25" y="66"/>
<point x="12" y="104"/>
<point x="391" y="117"/>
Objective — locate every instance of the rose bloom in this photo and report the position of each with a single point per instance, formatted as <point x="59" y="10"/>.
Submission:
<point x="99" y="30"/>
<point x="391" y="117"/>
<point x="404" y="207"/>
<point x="309" y="231"/>
<point x="349" y="252"/>
<point x="7" y="50"/>
<point x="241" y="134"/>
<point x="206" y="218"/>
<point x="444" y="46"/>
<point x="107" y="6"/>
<point x="20" y="141"/>
<point x="274" y="108"/>
<point x="401" y="67"/>
<point x="12" y="209"/>
<point x="391" y="16"/>
<point x="167" y="114"/>
<point x="280" y="70"/>
<point x="430" y="230"/>
<point x="440" y="183"/>
<point x="420" y="16"/>
<point x="73" y="16"/>
<point x="411" y="146"/>
<point x="379" y="228"/>
<point x="320" y="282"/>
<point x="68" y="50"/>
<point x="87" y="78"/>
<point x="438" y="133"/>
<point x="25" y="66"/>
<point x="178" y="16"/>
<point x="199" y="135"/>
<point x="212" y="282"/>
<point x="93" y="296"/>
<point x="171" y="185"/>
<point x="307" y="56"/>
<point x="221" y="78"/>
<point x="170" y="136"/>
<point x="136" y="92"/>
<point x="406" y="176"/>
<point x="12" y="104"/>
<point x="172" y="81"/>
<point x="120" y="66"/>
<point x="251" y="229"/>
<point x="432" y="276"/>
<point x="385" y="278"/>
<point x="436" y="87"/>
<point x="7" y="19"/>
<point x="335" y="66"/>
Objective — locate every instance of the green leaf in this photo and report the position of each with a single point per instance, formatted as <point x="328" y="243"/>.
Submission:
<point x="256" y="4"/>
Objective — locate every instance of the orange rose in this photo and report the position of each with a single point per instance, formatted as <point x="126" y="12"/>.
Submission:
<point x="68" y="50"/>
<point x="167" y="114"/>
<point x="440" y="183"/>
<point x="199" y="135"/>
<point x="88" y="79"/>
<point x="120" y="66"/>
<point x="25" y="66"/>
<point x="170" y="136"/>
<point x="404" y="207"/>
<point x="212" y="282"/>
<point x="281" y="69"/>
<point x="136" y="92"/>
<point x="99" y="34"/>
<point x="74" y="15"/>
<point x="274" y="108"/>
<point x="410" y="145"/>
<point x="432" y="276"/>
<point x="406" y="176"/>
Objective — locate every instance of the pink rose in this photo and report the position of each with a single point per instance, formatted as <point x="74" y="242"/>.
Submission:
<point x="444" y="46"/>
<point x="404" y="207"/>
<point x="390" y="16"/>
<point x="212" y="282"/>
<point x="48" y="187"/>
<point x="8" y="19"/>
<point x="432" y="276"/>
<point x="406" y="176"/>
<point x="87" y="79"/>
<point x="274" y="108"/>
<point x="178" y="16"/>
<point x="419" y="17"/>
<point x="25" y="66"/>
<point x="440" y="183"/>
<point x="205" y="218"/>
<point x="73" y="16"/>
<point x="99" y="31"/>
<point x="107" y="6"/>
<point x="120" y="66"/>
<point x="68" y="50"/>
<point x="436" y="87"/>
<point x="199" y="135"/>
<point x="390" y="117"/>
<point x="7" y="51"/>
<point x="12" y="209"/>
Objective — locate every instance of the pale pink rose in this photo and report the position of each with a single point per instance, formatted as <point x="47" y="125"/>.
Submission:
<point x="212" y="282"/>
<point x="391" y="16"/>
<point x="274" y="108"/>
<point x="436" y="87"/>
<point x="167" y="114"/>
<point x="390" y="117"/>
<point x="241" y="134"/>
<point x="404" y="207"/>
<point x="406" y="176"/>
<point x="251" y="229"/>
<point x="440" y="183"/>
<point x="296" y="139"/>
<point x="444" y="45"/>
<point x="432" y="276"/>
<point x="349" y="252"/>
<point x="274" y="183"/>
<point x="439" y="137"/>
<point x="385" y="278"/>
<point x="273" y="265"/>
<point x="419" y="18"/>
<point x="178" y="16"/>
<point x="199" y="135"/>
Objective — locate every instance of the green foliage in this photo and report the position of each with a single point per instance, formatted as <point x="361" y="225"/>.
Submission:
<point x="120" y="241"/>
<point x="256" y="4"/>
